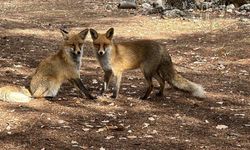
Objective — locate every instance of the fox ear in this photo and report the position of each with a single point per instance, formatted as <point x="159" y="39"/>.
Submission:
<point x="110" y="33"/>
<point x="93" y="34"/>
<point x="65" y="34"/>
<point x="83" y="34"/>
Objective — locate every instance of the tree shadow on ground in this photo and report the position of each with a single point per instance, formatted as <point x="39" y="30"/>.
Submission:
<point x="181" y="118"/>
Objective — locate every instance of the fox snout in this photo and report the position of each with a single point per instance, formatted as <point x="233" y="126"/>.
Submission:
<point x="101" y="52"/>
<point x="78" y="52"/>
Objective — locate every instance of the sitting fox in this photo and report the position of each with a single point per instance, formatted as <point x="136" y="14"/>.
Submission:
<point x="148" y="55"/>
<point x="52" y="72"/>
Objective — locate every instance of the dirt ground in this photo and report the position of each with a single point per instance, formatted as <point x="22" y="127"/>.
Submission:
<point x="212" y="51"/>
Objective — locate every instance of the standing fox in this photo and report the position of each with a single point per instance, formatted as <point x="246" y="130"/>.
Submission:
<point x="52" y="72"/>
<point x="148" y="55"/>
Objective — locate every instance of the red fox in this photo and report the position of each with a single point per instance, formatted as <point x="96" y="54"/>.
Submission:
<point x="150" y="56"/>
<point x="52" y="72"/>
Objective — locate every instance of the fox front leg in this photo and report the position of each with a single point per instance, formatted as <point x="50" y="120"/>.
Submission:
<point x="107" y="77"/>
<point x="118" y="78"/>
<point x="78" y="82"/>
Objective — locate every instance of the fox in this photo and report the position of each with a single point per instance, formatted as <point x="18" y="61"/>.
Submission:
<point x="52" y="72"/>
<point x="148" y="55"/>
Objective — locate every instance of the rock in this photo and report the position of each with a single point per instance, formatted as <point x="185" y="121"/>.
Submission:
<point x="222" y="7"/>
<point x="146" y="7"/>
<point x="158" y="4"/>
<point x="109" y="7"/>
<point x="245" y="7"/>
<point x="229" y="10"/>
<point x="127" y="4"/>
<point x="182" y="4"/>
<point x="174" y="13"/>
<point x="205" y="5"/>
<point x="244" y="20"/>
<point x="231" y="6"/>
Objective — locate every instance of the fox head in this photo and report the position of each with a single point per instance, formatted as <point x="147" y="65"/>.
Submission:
<point x="102" y="42"/>
<point x="73" y="43"/>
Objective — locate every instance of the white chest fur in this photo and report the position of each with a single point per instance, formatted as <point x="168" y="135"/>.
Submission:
<point x="105" y="61"/>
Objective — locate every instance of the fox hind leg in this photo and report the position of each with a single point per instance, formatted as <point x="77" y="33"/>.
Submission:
<point x="148" y="76"/>
<point x="161" y="81"/>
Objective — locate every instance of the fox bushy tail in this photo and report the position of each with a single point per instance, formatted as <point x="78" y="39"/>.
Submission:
<point x="169" y="73"/>
<point x="15" y="94"/>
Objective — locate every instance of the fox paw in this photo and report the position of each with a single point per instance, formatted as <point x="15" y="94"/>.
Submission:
<point x="92" y="97"/>
<point x="113" y="96"/>
<point x="159" y="94"/>
<point x="143" y="97"/>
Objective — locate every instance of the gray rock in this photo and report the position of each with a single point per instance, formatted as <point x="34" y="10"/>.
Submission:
<point x="127" y="4"/>
<point x="205" y="5"/>
<point x="245" y="7"/>
<point x="174" y="13"/>
<point x="222" y="7"/>
<point x="229" y="10"/>
<point x="146" y="6"/>
<point x="231" y="6"/>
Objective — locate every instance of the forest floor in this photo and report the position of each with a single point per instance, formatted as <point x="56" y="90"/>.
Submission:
<point x="212" y="51"/>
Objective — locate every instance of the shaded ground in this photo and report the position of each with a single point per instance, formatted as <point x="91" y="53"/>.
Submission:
<point x="213" y="52"/>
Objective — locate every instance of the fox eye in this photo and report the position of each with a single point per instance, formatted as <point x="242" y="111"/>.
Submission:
<point x="97" y="45"/>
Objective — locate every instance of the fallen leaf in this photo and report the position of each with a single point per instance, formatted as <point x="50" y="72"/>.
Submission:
<point x="221" y="126"/>
<point x="101" y="130"/>
<point x="94" y="81"/>
<point x="8" y="127"/>
<point x="145" y="125"/>
<point x="89" y="126"/>
<point x="102" y="148"/>
<point x="105" y="121"/>
<point x="132" y="137"/>
<point x="109" y="137"/>
<point x="85" y="129"/>
<point x="151" y="119"/>
<point x="219" y="103"/>
<point x="242" y="115"/>
<point x="122" y="138"/>
<point x="148" y="136"/>
<point x="74" y="142"/>
<point x="61" y="121"/>
<point x="154" y="132"/>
